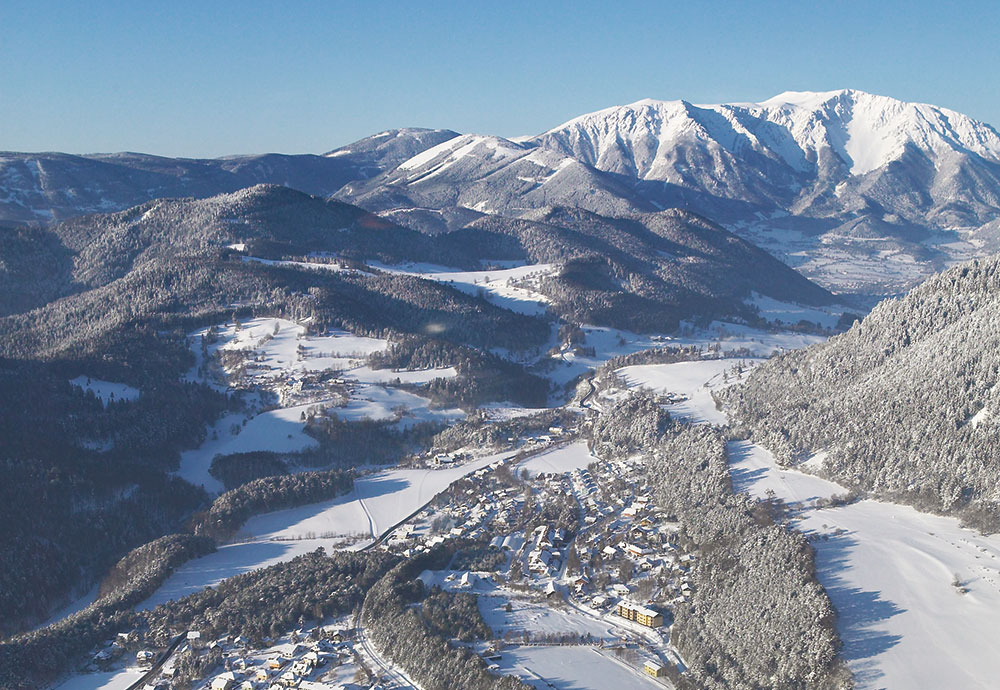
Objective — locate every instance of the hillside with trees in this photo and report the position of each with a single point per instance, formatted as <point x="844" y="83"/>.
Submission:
<point x="905" y="405"/>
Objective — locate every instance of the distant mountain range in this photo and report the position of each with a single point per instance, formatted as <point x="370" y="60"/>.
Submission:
<point x="49" y="187"/>
<point x="862" y="193"/>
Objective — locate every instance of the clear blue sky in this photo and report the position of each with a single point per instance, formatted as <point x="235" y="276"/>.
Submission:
<point x="212" y="78"/>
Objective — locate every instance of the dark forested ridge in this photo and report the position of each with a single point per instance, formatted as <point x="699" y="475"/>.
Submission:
<point x="906" y="403"/>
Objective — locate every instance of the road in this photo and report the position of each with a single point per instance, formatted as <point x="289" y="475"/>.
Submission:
<point x="386" y="669"/>
<point x="155" y="668"/>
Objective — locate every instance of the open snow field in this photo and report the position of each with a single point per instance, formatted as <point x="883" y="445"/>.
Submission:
<point x="101" y="680"/>
<point x="493" y="283"/>
<point x="280" y="353"/>
<point x="564" y="459"/>
<point x="570" y="668"/>
<point x="106" y="391"/>
<point x="611" y="342"/>
<point x="889" y="570"/>
<point x="791" y="313"/>
<point x="694" y="380"/>
<point x="538" y="618"/>
<point x="377" y="503"/>
<point x="280" y="431"/>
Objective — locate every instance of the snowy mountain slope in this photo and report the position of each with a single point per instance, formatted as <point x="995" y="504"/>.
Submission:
<point x="492" y="175"/>
<point x="862" y="130"/>
<point x="849" y="174"/>
<point x="861" y="192"/>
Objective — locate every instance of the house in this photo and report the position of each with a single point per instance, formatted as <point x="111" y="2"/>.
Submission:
<point x="288" y="679"/>
<point x="640" y="614"/>
<point x="224" y="681"/>
<point x="276" y="662"/>
<point x="144" y="658"/>
<point x="636" y="551"/>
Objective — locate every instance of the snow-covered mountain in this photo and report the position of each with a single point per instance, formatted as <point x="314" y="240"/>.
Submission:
<point x="862" y="192"/>
<point x="795" y="130"/>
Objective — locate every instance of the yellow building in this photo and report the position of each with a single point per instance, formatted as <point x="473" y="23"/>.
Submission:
<point x="653" y="669"/>
<point x="640" y="614"/>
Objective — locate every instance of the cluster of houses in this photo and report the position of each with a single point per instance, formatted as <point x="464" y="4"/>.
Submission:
<point x="626" y="540"/>
<point x="295" y="665"/>
<point x="292" y="667"/>
<point x="478" y="515"/>
<point x="545" y="556"/>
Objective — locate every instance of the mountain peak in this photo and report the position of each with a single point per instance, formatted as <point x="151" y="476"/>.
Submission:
<point x="865" y="131"/>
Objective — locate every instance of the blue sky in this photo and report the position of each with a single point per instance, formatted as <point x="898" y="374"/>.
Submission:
<point x="213" y="78"/>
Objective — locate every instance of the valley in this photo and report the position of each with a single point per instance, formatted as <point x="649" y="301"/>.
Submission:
<point x="669" y="395"/>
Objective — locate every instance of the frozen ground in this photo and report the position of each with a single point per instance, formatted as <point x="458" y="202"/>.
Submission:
<point x="377" y="503"/>
<point x="106" y="391"/>
<point x="566" y="458"/>
<point x="790" y="313"/>
<point x="101" y="680"/>
<point x="889" y="571"/>
<point x="280" y="354"/>
<point x="570" y="668"/>
<point x="694" y="380"/>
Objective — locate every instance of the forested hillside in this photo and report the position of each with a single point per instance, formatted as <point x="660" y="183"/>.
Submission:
<point x="88" y="481"/>
<point x="758" y="617"/>
<point x="905" y="404"/>
<point x="640" y="272"/>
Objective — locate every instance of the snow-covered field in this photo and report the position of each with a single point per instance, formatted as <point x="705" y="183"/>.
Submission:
<point x="280" y="431"/>
<point x="538" y="618"/>
<point x="570" y="668"/>
<point x="106" y="391"/>
<point x="791" y="313"/>
<point x="377" y="503"/>
<point x="889" y="571"/>
<point x="694" y="380"/>
<point x="612" y="342"/>
<point x="566" y="458"/>
<point x="494" y="283"/>
<point x="279" y="354"/>
<point x="101" y="680"/>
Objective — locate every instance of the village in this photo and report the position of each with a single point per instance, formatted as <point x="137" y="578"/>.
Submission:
<point x="567" y="556"/>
